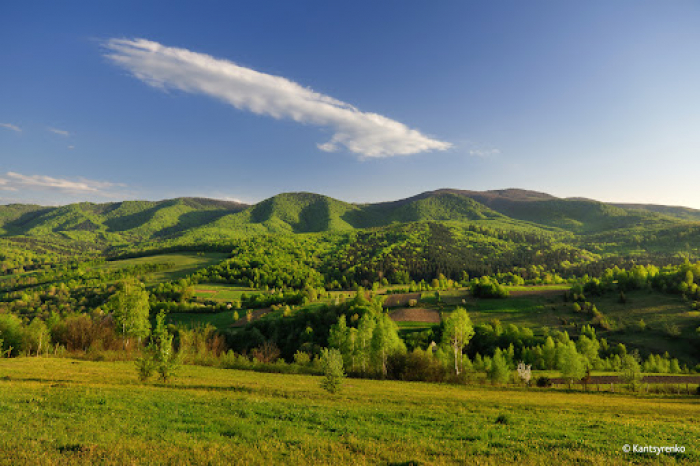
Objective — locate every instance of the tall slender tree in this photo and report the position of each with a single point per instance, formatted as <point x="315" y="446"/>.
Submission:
<point x="130" y="310"/>
<point x="457" y="332"/>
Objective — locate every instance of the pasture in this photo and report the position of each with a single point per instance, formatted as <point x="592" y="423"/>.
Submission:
<point x="221" y="292"/>
<point x="62" y="411"/>
<point x="182" y="264"/>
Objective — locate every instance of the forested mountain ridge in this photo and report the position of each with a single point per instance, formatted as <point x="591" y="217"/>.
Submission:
<point x="205" y="221"/>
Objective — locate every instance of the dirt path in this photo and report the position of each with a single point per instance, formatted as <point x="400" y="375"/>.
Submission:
<point x="411" y="314"/>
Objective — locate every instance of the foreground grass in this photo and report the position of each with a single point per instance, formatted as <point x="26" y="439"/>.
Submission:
<point x="58" y="411"/>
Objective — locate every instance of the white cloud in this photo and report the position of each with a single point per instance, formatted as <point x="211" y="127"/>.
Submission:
<point x="11" y="126"/>
<point x="363" y="133"/>
<point x="58" y="131"/>
<point x="15" y="181"/>
<point x="71" y="147"/>
<point x="5" y="185"/>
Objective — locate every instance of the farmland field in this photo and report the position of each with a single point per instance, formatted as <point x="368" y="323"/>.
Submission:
<point x="221" y="292"/>
<point x="183" y="264"/>
<point x="63" y="411"/>
<point x="219" y="320"/>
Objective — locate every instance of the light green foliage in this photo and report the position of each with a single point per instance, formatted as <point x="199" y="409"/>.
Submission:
<point x="631" y="372"/>
<point x="588" y="348"/>
<point x="146" y="365"/>
<point x="159" y="355"/>
<point x="549" y="354"/>
<point x="457" y="331"/>
<point x="130" y="310"/>
<point x="499" y="372"/>
<point x="36" y="337"/>
<point x="571" y="364"/>
<point x="365" y="330"/>
<point x="333" y="372"/>
<point x="11" y="334"/>
<point x="385" y="341"/>
<point x="302" y="358"/>
<point x="344" y="339"/>
<point x="164" y="356"/>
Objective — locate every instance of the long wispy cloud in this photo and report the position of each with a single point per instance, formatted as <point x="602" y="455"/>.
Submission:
<point x="363" y="133"/>
<point x="13" y="181"/>
<point x="58" y="131"/>
<point x="11" y="126"/>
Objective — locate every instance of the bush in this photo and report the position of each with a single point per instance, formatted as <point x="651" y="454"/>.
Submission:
<point x="503" y="419"/>
<point x="544" y="382"/>
<point x="266" y="353"/>
<point x="333" y="373"/>
<point x="416" y="366"/>
<point x="146" y="367"/>
<point x="488" y="288"/>
<point x="302" y="358"/>
<point x="11" y="331"/>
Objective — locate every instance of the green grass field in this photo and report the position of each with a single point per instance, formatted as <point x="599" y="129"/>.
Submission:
<point x="221" y="292"/>
<point x="220" y="320"/>
<point x="183" y="264"/>
<point x="62" y="411"/>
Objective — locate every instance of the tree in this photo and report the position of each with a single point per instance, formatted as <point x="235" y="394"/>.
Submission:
<point x="524" y="372"/>
<point x="457" y="332"/>
<point x="130" y="310"/>
<point x="365" y="329"/>
<point x="165" y="358"/>
<point x="333" y="372"/>
<point x="159" y="355"/>
<point x="499" y="372"/>
<point x="571" y="364"/>
<point x="338" y="334"/>
<point x="549" y="354"/>
<point x="36" y="337"/>
<point x="385" y="342"/>
<point x="588" y="348"/>
<point x="631" y="372"/>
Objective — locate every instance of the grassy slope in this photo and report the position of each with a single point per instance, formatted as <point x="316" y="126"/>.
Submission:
<point x="60" y="411"/>
<point x="183" y="264"/>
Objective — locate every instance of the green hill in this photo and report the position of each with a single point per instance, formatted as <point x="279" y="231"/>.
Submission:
<point x="205" y="221"/>
<point x="684" y="213"/>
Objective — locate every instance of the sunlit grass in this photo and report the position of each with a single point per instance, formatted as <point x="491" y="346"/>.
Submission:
<point x="64" y="411"/>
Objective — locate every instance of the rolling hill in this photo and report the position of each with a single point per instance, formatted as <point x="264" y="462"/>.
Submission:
<point x="197" y="220"/>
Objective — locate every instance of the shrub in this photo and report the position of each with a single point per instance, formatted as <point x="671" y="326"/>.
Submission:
<point x="503" y="419"/>
<point x="11" y="331"/>
<point x="417" y="366"/>
<point x="631" y="372"/>
<point x="672" y="330"/>
<point x="302" y="358"/>
<point x="146" y="367"/>
<point x="544" y="382"/>
<point x="266" y="353"/>
<point x="333" y="373"/>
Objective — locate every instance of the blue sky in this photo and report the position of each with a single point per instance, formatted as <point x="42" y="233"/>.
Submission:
<point x="362" y="101"/>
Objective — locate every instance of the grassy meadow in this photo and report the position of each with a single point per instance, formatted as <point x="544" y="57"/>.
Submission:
<point x="63" y="411"/>
<point x="183" y="264"/>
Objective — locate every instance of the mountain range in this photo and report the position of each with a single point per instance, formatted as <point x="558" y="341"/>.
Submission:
<point x="200" y="219"/>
